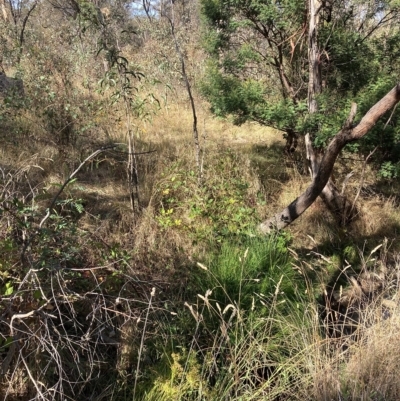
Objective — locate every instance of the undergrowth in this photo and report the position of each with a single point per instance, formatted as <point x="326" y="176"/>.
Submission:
<point x="178" y="298"/>
<point x="244" y="344"/>
<point x="235" y="344"/>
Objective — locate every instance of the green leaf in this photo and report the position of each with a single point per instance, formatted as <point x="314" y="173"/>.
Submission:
<point x="7" y="343"/>
<point x="8" y="289"/>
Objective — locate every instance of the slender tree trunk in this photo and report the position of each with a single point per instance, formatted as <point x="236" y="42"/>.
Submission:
<point x="314" y="80"/>
<point x="196" y="141"/>
<point x="23" y="27"/>
<point x="16" y="9"/>
<point x="333" y="199"/>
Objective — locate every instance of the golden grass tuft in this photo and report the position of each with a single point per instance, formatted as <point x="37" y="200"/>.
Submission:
<point x="379" y="218"/>
<point x="371" y="371"/>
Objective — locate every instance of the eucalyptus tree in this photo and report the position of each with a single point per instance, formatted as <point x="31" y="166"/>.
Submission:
<point x="296" y="66"/>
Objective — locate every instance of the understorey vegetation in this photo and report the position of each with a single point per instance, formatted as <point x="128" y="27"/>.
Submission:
<point x="146" y="151"/>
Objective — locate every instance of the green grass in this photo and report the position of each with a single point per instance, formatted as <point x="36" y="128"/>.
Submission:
<point x="234" y="334"/>
<point x="248" y="267"/>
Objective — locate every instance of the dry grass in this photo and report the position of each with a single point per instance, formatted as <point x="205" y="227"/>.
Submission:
<point x="79" y="316"/>
<point x="364" y="364"/>
<point x="175" y="124"/>
<point x="161" y="252"/>
<point x="361" y="360"/>
<point x="372" y="369"/>
<point x="377" y="217"/>
<point x="169" y="133"/>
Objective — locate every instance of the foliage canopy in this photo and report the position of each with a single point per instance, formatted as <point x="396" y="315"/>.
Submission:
<point x="258" y="68"/>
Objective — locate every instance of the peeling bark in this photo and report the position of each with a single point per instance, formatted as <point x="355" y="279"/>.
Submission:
<point x="347" y="134"/>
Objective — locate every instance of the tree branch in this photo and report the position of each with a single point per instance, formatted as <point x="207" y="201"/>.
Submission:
<point x="53" y="202"/>
<point x="346" y="135"/>
<point x="24" y="22"/>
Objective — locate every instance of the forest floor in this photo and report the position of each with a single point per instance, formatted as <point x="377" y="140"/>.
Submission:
<point x="180" y="298"/>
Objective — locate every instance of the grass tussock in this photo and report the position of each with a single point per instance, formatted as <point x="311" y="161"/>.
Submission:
<point x="273" y="344"/>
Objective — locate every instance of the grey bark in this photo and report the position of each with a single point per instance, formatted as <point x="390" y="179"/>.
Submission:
<point x="336" y="202"/>
<point x="314" y="80"/>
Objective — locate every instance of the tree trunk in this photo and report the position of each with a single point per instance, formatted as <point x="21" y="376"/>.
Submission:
<point x="314" y="79"/>
<point x="197" y="147"/>
<point x="291" y="141"/>
<point x="337" y="203"/>
<point x="349" y="133"/>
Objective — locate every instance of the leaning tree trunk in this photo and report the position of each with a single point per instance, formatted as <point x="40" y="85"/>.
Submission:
<point x="337" y="203"/>
<point x="349" y="133"/>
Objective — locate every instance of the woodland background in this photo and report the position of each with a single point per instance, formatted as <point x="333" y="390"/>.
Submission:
<point x="149" y="141"/>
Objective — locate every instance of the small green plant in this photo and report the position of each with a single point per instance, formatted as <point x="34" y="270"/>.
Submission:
<point x="115" y="254"/>
<point x="166" y="219"/>
<point x="8" y="289"/>
<point x="223" y="206"/>
<point x="389" y="170"/>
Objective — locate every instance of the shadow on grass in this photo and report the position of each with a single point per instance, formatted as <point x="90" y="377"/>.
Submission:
<point x="338" y="269"/>
<point x="269" y="162"/>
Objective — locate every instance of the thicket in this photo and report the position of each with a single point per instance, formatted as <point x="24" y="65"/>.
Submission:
<point x="123" y="277"/>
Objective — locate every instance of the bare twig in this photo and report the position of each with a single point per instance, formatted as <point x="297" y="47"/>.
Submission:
<point x="32" y="379"/>
<point x="69" y="179"/>
<point x="152" y="294"/>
